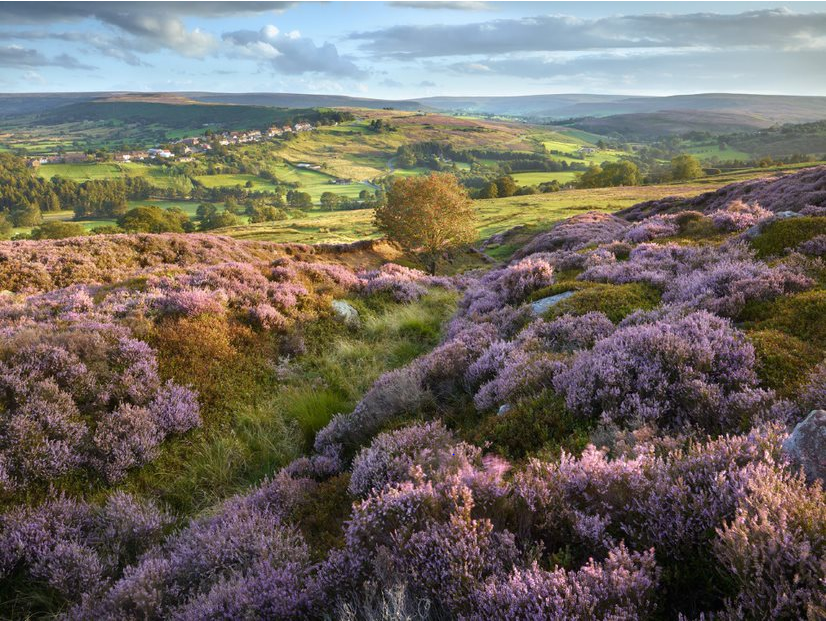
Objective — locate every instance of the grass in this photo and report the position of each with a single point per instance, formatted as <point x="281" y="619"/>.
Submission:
<point x="535" y="178"/>
<point x="274" y="420"/>
<point x="536" y="211"/>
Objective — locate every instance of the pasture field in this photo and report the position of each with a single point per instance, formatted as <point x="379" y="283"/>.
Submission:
<point x="535" y="178"/>
<point x="709" y="151"/>
<point x="159" y="176"/>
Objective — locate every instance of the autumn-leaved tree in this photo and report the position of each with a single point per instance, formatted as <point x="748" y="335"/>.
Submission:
<point x="427" y="215"/>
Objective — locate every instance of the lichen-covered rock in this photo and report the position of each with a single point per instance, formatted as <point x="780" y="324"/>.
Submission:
<point x="346" y="312"/>
<point x="541" y="306"/>
<point x="806" y="446"/>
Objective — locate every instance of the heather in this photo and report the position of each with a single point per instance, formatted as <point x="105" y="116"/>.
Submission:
<point x="443" y="450"/>
<point x="789" y="192"/>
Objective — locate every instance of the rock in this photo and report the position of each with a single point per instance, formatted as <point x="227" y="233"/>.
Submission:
<point x="754" y="231"/>
<point x="540" y="307"/>
<point x="504" y="409"/>
<point x="785" y="215"/>
<point x="806" y="446"/>
<point x="346" y="312"/>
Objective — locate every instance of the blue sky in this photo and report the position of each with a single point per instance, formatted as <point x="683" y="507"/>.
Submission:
<point x="412" y="49"/>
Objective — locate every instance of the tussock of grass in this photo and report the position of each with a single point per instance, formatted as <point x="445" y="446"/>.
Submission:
<point x="616" y="301"/>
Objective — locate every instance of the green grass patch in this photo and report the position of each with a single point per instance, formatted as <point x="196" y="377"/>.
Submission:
<point x="784" y="361"/>
<point x="616" y="301"/>
<point x="788" y="233"/>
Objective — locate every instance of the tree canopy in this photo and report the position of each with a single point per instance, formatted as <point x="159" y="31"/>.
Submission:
<point x="428" y="215"/>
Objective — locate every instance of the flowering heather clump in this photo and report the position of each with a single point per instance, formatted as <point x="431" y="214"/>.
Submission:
<point x="567" y="333"/>
<point x="792" y="192"/>
<point x="77" y="547"/>
<point x="815" y="247"/>
<point x="692" y="370"/>
<point x="49" y="264"/>
<point x="577" y="232"/>
<point x="519" y="280"/>
<point x="669" y="497"/>
<point x="243" y="550"/>
<point x="523" y="374"/>
<point x="775" y="547"/>
<point x="84" y="400"/>
<point x="623" y="586"/>
<point x="725" y="287"/>
<point x="738" y="216"/>
<point x="652" y="228"/>
<point x="813" y="395"/>
<point x="403" y="283"/>
<point x="813" y="210"/>
<point x="654" y="264"/>
<point x="394" y="393"/>
<point x="391" y="457"/>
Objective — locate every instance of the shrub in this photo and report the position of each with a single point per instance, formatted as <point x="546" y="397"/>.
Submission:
<point x="76" y="547"/>
<point x="392" y="456"/>
<point x="725" y="287"/>
<point x="668" y="494"/>
<point x="576" y="233"/>
<point x="624" y="586"/>
<point x="652" y="228"/>
<point x="813" y="395"/>
<point x="692" y="370"/>
<point x="532" y="424"/>
<point x="738" y="216"/>
<point x="774" y="548"/>
<point x="816" y="246"/>
<point x="84" y="401"/>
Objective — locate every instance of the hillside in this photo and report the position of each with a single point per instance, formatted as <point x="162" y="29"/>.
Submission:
<point x="613" y="418"/>
<point x="651" y="125"/>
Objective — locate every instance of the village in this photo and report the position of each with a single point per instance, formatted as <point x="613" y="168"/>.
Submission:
<point x="181" y="150"/>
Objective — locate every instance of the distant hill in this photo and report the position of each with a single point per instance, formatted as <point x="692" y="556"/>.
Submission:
<point x="650" y="125"/>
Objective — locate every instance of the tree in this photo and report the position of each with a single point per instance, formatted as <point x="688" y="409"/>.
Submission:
<point x="219" y="220"/>
<point x="505" y="186"/>
<point x="27" y="214"/>
<point x="58" y="230"/>
<point x="428" y="215"/>
<point x="685" y="167"/>
<point x="299" y="200"/>
<point x="151" y="219"/>
<point x="5" y="227"/>
<point x="610" y="174"/>
<point x="491" y="190"/>
<point x="205" y="211"/>
<point x="330" y="201"/>
<point x="405" y="157"/>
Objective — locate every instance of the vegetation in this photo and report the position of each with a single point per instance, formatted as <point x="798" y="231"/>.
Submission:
<point x="430" y="216"/>
<point x="587" y="416"/>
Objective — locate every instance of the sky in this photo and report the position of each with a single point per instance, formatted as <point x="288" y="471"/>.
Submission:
<point x="399" y="50"/>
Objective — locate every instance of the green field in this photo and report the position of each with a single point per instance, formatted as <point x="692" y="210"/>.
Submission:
<point x="535" y="178"/>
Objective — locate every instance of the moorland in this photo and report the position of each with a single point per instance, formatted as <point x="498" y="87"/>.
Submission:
<point x="227" y="394"/>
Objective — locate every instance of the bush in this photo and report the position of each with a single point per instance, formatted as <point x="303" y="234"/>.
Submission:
<point x="534" y="424"/>
<point x="774" y="548"/>
<point x="58" y="230"/>
<point x="624" y="586"/>
<point x="692" y="370"/>
<point x="779" y="235"/>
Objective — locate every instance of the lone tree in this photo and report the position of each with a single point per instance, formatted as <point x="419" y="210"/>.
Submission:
<point x="427" y="215"/>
